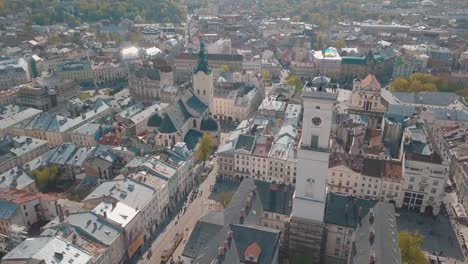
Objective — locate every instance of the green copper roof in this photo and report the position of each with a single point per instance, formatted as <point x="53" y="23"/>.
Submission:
<point x="202" y="60"/>
<point x="209" y="124"/>
<point x="154" y="121"/>
<point x="192" y="137"/>
<point x="353" y="60"/>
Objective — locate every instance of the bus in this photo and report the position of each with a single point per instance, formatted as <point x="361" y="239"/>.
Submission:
<point x="167" y="252"/>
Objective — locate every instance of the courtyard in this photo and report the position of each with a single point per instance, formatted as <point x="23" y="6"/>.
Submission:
<point x="439" y="236"/>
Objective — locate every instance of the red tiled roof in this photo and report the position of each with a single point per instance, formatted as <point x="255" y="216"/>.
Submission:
<point x="253" y="250"/>
<point x="370" y="80"/>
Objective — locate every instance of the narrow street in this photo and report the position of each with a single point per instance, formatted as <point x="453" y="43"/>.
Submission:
<point x="187" y="220"/>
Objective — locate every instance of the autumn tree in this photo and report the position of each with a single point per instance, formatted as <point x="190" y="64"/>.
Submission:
<point x="295" y="81"/>
<point x="225" y="68"/>
<point x="410" y="247"/>
<point x="205" y="147"/>
<point x="46" y="177"/>
<point x="417" y="82"/>
<point x="266" y="75"/>
<point x="225" y="198"/>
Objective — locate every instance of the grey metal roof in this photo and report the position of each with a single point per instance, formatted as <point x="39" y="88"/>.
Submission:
<point x="385" y="243"/>
<point x="174" y="118"/>
<point x="343" y="210"/>
<point x="267" y="238"/>
<point x="275" y="198"/>
<point x="427" y="98"/>
<point x="311" y="93"/>
<point x="105" y="232"/>
<point x="130" y="192"/>
<point x="212" y="230"/>
<point x="450" y="114"/>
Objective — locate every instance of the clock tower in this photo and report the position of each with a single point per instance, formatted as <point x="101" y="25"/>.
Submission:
<point x="305" y="229"/>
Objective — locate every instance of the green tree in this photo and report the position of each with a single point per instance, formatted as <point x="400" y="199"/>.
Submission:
<point x="205" y="147"/>
<point x="46" y="177"/>
<point x="34" y="71"/>
<point x="410" y="247"/>
<point x="296" y="82"/>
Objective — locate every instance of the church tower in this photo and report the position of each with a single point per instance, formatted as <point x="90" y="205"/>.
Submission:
<point x="203" y="79"/>
<point x="305" y="229"/>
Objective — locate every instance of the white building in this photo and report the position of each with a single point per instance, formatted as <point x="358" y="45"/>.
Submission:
<point x="237" y="104"/>
<point x="13" y="72"/>
<point x="221" y="46"/>
<point x="327" y="62"/>
<point x="19" y="150"/>
<point x="306" y="224"/>
<point x="423" y="188"/>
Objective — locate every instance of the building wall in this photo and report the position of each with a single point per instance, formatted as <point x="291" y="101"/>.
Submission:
<point x="337" y="243"/>
<point x="423" y="185"/>
<point x="83" y="140"/>
<point x="203" y="88"/>
<point x="274" y="220"/>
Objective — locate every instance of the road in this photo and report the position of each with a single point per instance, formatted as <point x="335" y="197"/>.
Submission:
<point x="199" y="207"/>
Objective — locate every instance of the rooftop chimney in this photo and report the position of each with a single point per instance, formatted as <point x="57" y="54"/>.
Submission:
<point x="371" y="216"/>
<point x="220" y="251"/>
<point x="230" y="235"/>
<point x="371" y="236"/>
<point x="114" y="204"/>
<point x="105" y="214"/>
<point x="94" y="227"/>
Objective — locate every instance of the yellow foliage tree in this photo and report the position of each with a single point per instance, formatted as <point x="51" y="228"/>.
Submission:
<point x="225" y="68"/>
<point x="47" y="176"/>
<point x="410" y="247"/>
<point x="296" y="82"/>
<point x="205" y="147"/>
<point x="266" y="75"/>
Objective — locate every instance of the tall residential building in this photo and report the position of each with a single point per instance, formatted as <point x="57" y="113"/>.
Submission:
<point x="305" y="229"/>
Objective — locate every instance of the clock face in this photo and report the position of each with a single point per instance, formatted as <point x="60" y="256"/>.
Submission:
<point x="316" y="121"/>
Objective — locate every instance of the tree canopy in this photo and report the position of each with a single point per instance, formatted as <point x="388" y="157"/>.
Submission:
<point x="52" y="11"/>
<point x="46" y="177"/>
<point x="421" y="82"/>
<point x="296" y="82"/>
<point x="205" y="147"/>
<point x="320" y="12"/>
<point x="410" y="247"/>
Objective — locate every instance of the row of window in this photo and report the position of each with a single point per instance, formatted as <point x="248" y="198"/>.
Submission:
<point x="424" y="180"/>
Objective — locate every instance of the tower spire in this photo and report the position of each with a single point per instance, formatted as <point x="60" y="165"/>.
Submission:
<point x="202" y="60"/>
